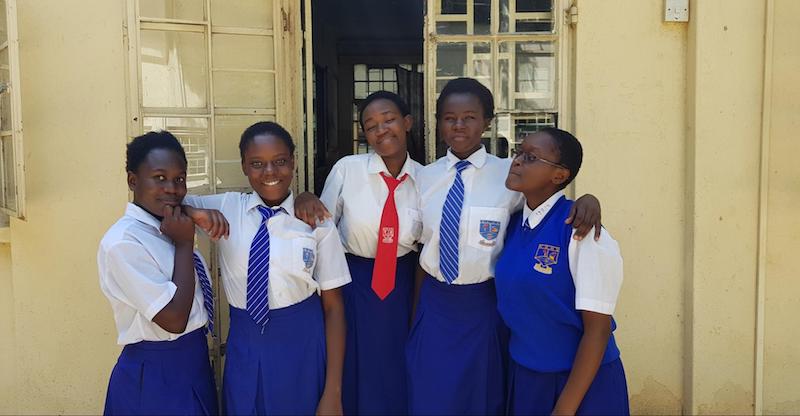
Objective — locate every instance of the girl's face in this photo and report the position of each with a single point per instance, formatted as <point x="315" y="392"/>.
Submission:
<point x="269" y="166"/>
<point x="536" y="169"/>
<point x="386" y="128"/>
<point x="159" y="181"/>
<point x="462" y="123"/>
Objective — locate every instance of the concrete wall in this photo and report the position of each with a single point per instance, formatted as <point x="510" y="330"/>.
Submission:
<point x="629" y="115"/>
<point x="782" y="295"/>
<point x="73" y="78"/>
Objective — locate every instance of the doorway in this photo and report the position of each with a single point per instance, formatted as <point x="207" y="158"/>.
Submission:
<point x="359" y="47"/>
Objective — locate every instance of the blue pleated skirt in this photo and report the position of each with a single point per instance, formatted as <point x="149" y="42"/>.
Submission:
<point x="457" y="351"/>
<point x="277" y="371"/>
<point x="163" y="377"/>
<point x="536" y="393"/>
<point x="374" y="380"/>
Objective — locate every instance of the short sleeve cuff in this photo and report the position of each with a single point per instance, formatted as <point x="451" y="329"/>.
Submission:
<point x="334" y="283"/>
<point x="592" y="305"/>
<point x="161" y="302"/>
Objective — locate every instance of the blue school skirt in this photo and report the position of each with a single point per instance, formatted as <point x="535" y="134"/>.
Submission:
<point x="456" y="353"/>
<point x="374" y="381"/>
<point x="277" y="371"/>
<point x="532" y="392"/>
<point x="163" y="377"/>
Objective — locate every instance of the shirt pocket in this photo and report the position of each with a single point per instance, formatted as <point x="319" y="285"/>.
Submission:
<point x="304" y="255"/>
<point x="486" y="227"/>
<point x="415" y="221"/>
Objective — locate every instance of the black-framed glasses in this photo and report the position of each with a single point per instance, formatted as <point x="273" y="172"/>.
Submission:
<point x="529" y="158"/>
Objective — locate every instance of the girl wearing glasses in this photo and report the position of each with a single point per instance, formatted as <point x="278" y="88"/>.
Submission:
<point x="556" y="294"/>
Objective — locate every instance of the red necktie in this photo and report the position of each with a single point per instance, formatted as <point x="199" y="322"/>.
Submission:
<point x="383" y="273"/>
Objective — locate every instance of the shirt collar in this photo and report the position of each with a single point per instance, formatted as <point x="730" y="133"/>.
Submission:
<point x="477" y="159"/>
<point x="255" y="200"/>
<point x="535" y="216"/>
<point x="376" y="165"/>
<point x="139" y="214"/>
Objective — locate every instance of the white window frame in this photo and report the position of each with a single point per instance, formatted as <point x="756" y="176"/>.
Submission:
<point x="562" y="36"/>
<point x="16" y="115"/>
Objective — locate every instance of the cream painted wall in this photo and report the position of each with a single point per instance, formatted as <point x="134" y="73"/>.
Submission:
<point x="72" y="62"/>
<point x="724" y="101"/>
<point x="782" y="354"/>
<point x="7" y="359"/>
<point x="629" y="116"/>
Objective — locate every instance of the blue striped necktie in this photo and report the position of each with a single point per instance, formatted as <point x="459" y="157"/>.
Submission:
<point x="258" y="270"/>
<point x="448" y="228"/>
<point x="205" y="287"/>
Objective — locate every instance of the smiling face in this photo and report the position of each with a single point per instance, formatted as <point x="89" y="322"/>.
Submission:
<point x="159" y="181"/>
<point x="386" y="128"/>
<point x="535" y="171"/>
<point x="462" y="123"/>
<point x="269" y="166"/>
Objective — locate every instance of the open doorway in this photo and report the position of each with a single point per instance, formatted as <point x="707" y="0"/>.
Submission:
<point x="362" y="46"/>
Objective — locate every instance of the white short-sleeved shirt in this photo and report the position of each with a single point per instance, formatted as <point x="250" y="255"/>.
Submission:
<point x="355" y="194"/>
<point x="301" y="260"/>
<point x="135" y="262"/>
<point x="596" y="266"/>
<point x="486" y="201"/>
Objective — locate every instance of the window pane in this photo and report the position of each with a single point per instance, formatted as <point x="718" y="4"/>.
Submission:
<point x="451" y="28"/>
<point x="227" y="131"/>
<point x="173" y="9"/>
<point x="5" y="102"/>
<point x="3" y="22"/>
<point x="359" y="72"/>
<point x="531" y="85"/>
<point x="242" y="51"/>
<point x="244" y="90"/>
<point x="174" y="69"/>
<point x="389" y="74"/>
<point x="360" y="90"/>
<point x="9" y="185"/>
<point x="528" y="16"/>
<point x="454" y="6"/>
<point x="374" y="74"/>
<point x="481" y="17"/>
<point x="193" y="134"/>
<point x="242" y="13"/>
<point x="534" y="5"/>
<point x="451" y="59"/>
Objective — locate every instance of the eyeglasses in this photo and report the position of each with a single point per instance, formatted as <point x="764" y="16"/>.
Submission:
<point x="528" y="158"/>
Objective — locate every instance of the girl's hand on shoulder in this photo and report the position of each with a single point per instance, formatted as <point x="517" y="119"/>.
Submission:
<point x="209" y="220"/>
<point x="329" y="404"/>
<point x="585" y="214"/>
<point x="177" y="226"/>
<point x="309" y="209"/>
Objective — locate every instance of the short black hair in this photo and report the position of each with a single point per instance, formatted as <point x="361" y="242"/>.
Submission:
<point x="382" y="95"/>
<point x="138" y="149"/>
<point x="570" y="151"/>
<point x="467" y="86"/>
<point x="265" y="127"/>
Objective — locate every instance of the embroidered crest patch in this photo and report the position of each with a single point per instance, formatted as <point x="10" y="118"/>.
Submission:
<point x="489" y="231"/>
<point x="308" y="259"/>
<point x="546" y="256"/>
<point x="387" y="235"/>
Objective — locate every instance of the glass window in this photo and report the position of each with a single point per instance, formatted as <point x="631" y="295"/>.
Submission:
<point x="11" y="164"/>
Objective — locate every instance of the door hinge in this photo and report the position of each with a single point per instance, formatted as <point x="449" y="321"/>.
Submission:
<point x="572" y="15"/>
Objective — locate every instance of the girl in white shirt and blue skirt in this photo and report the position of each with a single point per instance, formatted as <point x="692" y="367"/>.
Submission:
<point x="159" y="290"/>
<point x="282" y="278"/>
<point x="456" y="353"/>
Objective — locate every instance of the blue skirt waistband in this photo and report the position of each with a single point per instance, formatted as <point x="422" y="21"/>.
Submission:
<point x="460" y="301"/>
<point x="187" y="340"/>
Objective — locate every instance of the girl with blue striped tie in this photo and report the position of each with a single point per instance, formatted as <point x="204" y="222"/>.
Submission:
<point x="159" y="290"/>
<point x="285" y="347"/>
<point x="557" y="294"/>
<point x="456" y="353"/>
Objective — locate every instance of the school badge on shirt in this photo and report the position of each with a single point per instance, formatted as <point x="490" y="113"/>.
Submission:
<point x="546" y="256"/>
<point x="308" y="259"/>
<point x="489" y="231"/>
<point x="387" y="235"/>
